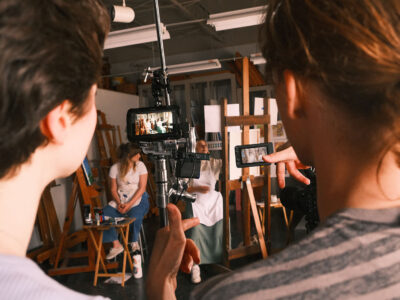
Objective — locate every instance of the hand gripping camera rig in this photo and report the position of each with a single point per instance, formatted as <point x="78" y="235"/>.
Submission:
<point x="169" y="142"/>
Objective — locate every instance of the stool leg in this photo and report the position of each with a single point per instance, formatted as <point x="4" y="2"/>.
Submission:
<point x="142" y="242"/>
<point x="126" y="251"/>
<point x="98" y="258"/>
<point x="143" y="238"/>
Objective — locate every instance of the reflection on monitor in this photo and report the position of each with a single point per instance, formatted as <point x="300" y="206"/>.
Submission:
<point x="253" y="155"/>
<point x="154" y="123"/>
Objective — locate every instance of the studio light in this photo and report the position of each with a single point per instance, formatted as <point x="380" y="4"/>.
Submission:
<point x="134" y="36"/>
<point x="122" y="14"/>
<point x="237" y="18"/>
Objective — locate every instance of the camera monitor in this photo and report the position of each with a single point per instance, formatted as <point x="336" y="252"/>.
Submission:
<point x="251" y="155"/>
<point x="153" y="123"/>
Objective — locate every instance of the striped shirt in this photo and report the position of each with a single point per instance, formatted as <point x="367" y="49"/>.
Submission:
<point x="355" y="254"/>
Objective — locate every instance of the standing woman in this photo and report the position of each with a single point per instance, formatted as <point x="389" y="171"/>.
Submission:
<point x="128" y="188"/>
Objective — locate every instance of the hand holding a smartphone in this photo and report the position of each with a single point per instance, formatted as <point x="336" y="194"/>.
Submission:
<point x="287" y="158"/>
<point x="252" y="155"/>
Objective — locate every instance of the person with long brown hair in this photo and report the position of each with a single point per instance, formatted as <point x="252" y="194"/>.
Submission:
<point x="335" y="65"/>
<point x="128" y="180"/>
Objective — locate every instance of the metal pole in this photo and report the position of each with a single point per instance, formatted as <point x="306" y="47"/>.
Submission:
<point x="161" y="179"/>
<point x="162" y="55"/>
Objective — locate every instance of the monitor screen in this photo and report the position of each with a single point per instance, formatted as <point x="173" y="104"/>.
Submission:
<point x="153" y="123"/>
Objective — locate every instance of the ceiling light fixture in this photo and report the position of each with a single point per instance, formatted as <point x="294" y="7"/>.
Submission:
<point x="257" y="59"/>
<point x="134" y="36"/>
<point x="237" y="18"/>
<point x="192" y="66"/>
<point x="122" y="14"/>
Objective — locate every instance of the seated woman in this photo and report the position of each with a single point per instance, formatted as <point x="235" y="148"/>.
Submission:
<point x="128" y="188"/>
<point x="208" y="207"/>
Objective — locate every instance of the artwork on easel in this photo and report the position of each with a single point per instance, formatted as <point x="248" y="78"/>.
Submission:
<point x="87" y="171"/>
<point x="278" y="131"/>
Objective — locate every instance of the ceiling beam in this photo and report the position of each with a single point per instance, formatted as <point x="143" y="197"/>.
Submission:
<point x="190" y="16"/>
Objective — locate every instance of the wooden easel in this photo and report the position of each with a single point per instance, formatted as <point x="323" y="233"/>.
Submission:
<point x="257" y="222"/>
<point x="229" y="185"/>
<point x="48" y="225"/>
<point x="106" y="161"/>
<point x="86" y="195"/>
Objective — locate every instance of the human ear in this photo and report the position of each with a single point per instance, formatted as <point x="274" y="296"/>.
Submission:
<point x="294" y="100"/>
<point x="56" y="123"/>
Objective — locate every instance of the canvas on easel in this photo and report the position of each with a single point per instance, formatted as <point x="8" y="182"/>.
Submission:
<point x="82" y="194"/>
<point x="87" y="171"/>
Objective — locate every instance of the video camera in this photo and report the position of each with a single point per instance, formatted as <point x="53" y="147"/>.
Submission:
<point x="167" y="141"/>
<point x="160" y="134"/>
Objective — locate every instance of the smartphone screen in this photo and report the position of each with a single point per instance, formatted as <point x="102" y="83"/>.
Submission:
<point x="253" y="155"/>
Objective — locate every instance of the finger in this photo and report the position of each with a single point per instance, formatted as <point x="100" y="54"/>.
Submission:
<point x="280" y="174"/>
<point x="284" y="155"/>
<point x="191" y="254"/>
<point x="187" y="262"/>
<point x="297" y="174"/>
<point x="193" y="250"/>
<point x="175" y="223"/>
<point x="301" y="166"/>
<point x="189" y="223"/>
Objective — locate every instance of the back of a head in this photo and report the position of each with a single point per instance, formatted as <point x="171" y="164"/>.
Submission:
<point x="51" y="51"/>
<point x="351" y="50"/>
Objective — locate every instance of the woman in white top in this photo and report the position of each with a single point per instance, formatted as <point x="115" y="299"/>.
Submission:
<point x="128" y="188"/>
<point x="208" y="208"/>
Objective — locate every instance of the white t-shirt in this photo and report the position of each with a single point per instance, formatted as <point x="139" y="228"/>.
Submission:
<point x="127" y="186"/>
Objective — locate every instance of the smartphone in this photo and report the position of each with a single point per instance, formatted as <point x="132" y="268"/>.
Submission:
<point x="251" y="155"/>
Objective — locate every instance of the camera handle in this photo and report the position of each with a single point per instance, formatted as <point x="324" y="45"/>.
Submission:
<point x="161" y="180"/>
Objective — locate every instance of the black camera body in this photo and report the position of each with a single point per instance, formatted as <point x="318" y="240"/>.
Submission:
<point x="303" y="199"/>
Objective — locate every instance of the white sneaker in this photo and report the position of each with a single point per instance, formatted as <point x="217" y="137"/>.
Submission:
<point x="114" y="252"/>
<point x="135" y="246"/>
<point x="196" y="278"/>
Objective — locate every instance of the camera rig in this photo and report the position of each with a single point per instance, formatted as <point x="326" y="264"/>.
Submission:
<point x="167" y="141"/>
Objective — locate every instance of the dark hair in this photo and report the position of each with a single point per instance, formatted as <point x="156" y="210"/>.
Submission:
<point x="51" y="51"/>
<point x="125" y="154"/>
<point x="351" y="49"/>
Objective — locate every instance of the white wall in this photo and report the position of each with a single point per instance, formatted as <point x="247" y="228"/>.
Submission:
<point x="114" y="105"/>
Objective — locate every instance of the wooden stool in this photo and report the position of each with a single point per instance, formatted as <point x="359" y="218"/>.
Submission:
<point x="123" y="229"/>
<point x="278" y="204"/>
